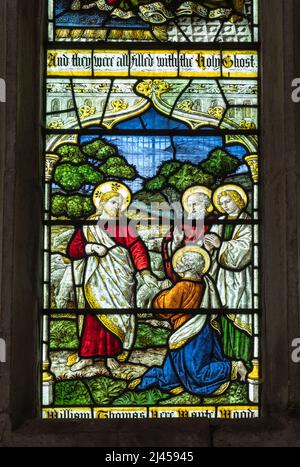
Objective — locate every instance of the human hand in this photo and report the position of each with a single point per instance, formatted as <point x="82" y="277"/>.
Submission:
<point x="100" y="250"/>
<point x="212" y="241"/>
<point x="149" y="279"/>
<point x="200" y="242"/>
<point x="166" y="284"/>
<point x="178" y="237"/>
<point x="208" y="245"/>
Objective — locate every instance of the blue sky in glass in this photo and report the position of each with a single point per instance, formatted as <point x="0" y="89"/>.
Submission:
<point x="152" y="120"/>
<point x="147" y="153"/>
<point x="240" y="152"/>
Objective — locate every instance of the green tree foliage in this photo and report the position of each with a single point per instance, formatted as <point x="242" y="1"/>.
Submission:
<point x="73" y="171"/>
<point x="160" y="181"/>
<point x="220" y="164"/>
<point x="189" y="175"/>
<point x="59" y="205"/>
<point x="156" y="184"/>
<point x="70" y="153"/>
<point x="72" y="177"/>
<point x="99" y="149"/>
<point x="74" y="206"/>
<point x="89" y="174"/>
<point x="179" y="176"/>
<point x="169" y="168"/>
<point x="79" y="167"/>
<point x="118" y="167"/>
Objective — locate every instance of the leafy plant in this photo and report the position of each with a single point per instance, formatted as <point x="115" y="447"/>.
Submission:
<point x="74" y="392"/>
<point x="105" y="389"/>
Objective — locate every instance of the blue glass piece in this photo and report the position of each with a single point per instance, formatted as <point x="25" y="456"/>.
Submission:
<point x="92" y="18"/>
<point x="152" y="120"/>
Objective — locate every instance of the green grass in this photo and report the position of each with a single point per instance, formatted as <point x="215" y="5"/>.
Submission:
<point x="182" y="399"/>
<point x="63" y="335"/>
<point x="106" y="391"/>
<point x="140" y="398"/>
<point x="149" y="336"/>
<point x="237" y="394"/>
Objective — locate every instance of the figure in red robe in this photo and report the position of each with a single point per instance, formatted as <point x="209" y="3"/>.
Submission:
<point x="110" y="255"/>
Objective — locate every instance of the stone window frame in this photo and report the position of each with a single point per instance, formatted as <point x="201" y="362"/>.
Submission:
<point x="21" y="203"/>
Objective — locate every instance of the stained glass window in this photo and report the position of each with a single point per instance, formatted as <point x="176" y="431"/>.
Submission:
<point x="151" y="304"/>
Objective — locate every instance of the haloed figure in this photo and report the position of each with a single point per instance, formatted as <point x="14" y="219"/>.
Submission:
<point x="195" y="361"/>
<point x="198" y="207"/>
<point x="231" y="248"/>
<point x="106" y="258"/>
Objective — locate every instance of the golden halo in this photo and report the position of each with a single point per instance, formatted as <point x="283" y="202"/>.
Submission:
<point x="238" y="189"/>
<point x="193" y="249"/>
<point x="112" y="187"/>
<point x="197" y="189"/>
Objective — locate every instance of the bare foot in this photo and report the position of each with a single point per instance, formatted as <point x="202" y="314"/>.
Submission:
<point x="81" y="364"/>
<point x="112" y="364"/>
<point x="242" y="371"/>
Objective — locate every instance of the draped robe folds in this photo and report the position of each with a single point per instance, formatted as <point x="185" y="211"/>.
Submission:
<point x="232" y="271"/>
<point x="108" y="283"/>
<point x="195" y="361"/>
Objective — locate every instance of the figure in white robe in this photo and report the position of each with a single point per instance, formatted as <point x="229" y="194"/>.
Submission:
<point x="106" y="258"/>
<point x="231" y="248"/>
